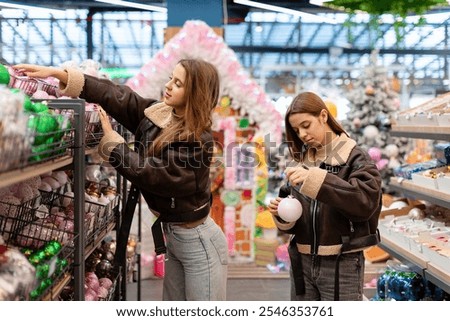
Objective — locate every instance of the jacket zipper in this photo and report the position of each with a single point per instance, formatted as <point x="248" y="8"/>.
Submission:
<point x="172" y="205"/>
<point x="351" y="227"/>
<point x="314" y="249"/>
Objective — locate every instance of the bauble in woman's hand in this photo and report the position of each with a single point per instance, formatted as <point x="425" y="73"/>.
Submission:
<point x="290" y="209"/>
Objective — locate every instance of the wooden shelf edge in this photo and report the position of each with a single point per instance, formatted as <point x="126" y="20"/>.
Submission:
<point x="425" y="132"/>
<point x="55" y="292"/>
<point x="416" y="191"/>
<point x="19" y="175"/>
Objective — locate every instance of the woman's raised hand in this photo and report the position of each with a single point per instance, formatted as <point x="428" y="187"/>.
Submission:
<point x="296" y="175"/>
<point x="38" y="71"/>
<point x="104" y="119"/>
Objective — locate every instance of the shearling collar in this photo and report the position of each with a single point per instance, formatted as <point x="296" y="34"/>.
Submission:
<point x="160" y="114"/>
<point x="335" y="153"/>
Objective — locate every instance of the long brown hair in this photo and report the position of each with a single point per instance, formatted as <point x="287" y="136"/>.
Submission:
<point x="308" y="103"/>
<point x="202" y="88"/>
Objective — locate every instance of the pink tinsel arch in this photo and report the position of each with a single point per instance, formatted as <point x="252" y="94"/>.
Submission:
<point x="197" y="40"/>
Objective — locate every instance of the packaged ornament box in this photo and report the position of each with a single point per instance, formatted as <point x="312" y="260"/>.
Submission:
<point x="436" y="246"/>
<point x="429" y="178"/>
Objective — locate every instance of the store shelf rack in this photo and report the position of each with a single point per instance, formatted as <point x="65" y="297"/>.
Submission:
<point x="414" y="191"/>
<point x="76" y="158"/>
<point x="442" y="198"/>
<point x="434" y="275"/>
<point x="423" y="132"/>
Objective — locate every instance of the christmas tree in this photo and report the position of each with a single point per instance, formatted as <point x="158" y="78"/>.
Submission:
<point x="372" y="104"/>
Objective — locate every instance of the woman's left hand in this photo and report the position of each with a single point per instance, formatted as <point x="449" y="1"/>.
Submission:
<point x="296" y="175"/>
<point x="104" y="119"/>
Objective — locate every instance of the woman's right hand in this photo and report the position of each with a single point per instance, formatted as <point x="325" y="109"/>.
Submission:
<point x="273" y="206"/>
<point x="37" y="71"/>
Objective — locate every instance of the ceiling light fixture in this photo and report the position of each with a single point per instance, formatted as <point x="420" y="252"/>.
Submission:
<point x="29" y="8"/>
<point x="135" y="5"/>
<point x="318" y="2"/>
<point x="284" y="10"/>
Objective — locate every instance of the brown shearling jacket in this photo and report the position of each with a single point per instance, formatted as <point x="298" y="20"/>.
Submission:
<point x="341" y="199"/>
<point x="176" y="184"/>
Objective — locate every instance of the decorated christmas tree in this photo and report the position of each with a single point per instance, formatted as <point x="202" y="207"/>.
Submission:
<point x="373" y="103"/>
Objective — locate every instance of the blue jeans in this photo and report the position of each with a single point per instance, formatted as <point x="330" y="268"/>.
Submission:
<point x="319" y="278"/>
<point x="196" y="263"/>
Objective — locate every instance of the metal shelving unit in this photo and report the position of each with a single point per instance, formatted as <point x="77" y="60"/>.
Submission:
<point x="76" y="159"/>
<point x="411" y="190"/>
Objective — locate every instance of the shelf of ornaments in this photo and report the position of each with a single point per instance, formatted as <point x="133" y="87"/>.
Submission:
<point x="428" y="120"/>
<point x="66" y="150"/>
<point x="419" y="234"/>
<point x="422" y="132"/>
<point x="417" y="191"/>
<point x="18" y="175"/>
<point x="419" y="258"/>
<point x="421" y="240"/>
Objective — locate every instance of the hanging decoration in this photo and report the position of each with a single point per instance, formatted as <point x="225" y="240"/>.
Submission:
<point x="197" y="40"/>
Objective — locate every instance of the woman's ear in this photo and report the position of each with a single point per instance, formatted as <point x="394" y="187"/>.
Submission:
<point x="324" y="116"/>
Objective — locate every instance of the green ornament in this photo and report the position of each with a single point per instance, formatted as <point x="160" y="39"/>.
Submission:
<point x="34" y="294"/>
<point x="37" y="257"/>
<point x="244" y="123"/>
<point x="39" y="152"/>
<point x="47" y="124"/>
<point x="61" y="264"/>
<point x="39" y="107"/>
<point x="42" y="271"/>
<point x="52" y="248"/>
<point x="27" y="104"/>
<point x="4" y="75"/>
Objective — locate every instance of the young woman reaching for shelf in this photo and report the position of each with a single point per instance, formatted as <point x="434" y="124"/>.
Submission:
<point x="170" y="166"/>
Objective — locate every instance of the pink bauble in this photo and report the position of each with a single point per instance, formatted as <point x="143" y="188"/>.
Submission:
<point x="375" y="153"/>
<point x="40" y="94"/>
<point x="290" y="209"/>
<point x="381" y="164"/>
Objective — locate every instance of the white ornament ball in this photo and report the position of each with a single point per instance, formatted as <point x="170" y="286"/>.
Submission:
<point x="397" y="205"/>
<point x="371" y="132"/>
<point x="416" y="214"/>
<point x="290" y="209"/>
<point x="391" y="150"/>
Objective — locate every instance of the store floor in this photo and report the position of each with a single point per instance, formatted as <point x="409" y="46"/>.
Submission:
<point x="239" y="287"/>
<point x="244" y="285"/>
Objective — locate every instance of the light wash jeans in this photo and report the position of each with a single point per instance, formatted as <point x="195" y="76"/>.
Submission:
<point x="319" y="278"/>
<point x="196" y="263"/>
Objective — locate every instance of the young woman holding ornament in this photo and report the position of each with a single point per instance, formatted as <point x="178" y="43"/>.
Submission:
<point x="330" y="203"/>
<point x="170" y="167"/>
